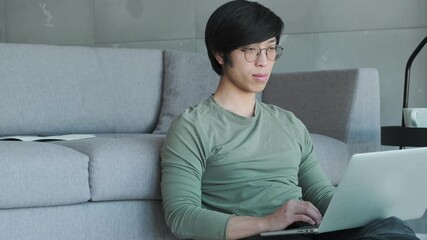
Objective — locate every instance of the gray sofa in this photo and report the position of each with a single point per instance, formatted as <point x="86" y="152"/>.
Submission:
<point x="107" y="187"/>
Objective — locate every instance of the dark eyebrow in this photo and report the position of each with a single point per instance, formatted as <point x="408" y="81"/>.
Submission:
<point x="273" y="40"/>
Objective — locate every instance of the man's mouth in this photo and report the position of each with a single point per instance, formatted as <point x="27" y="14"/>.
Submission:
<point x="261" y="76"/>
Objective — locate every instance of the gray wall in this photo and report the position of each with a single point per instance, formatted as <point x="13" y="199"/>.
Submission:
<point x="320" y="34"/>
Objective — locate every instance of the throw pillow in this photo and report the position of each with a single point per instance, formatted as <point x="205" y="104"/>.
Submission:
<point x="188" y="80"/>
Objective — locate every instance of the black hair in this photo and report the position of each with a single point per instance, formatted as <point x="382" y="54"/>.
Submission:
<point x="238" y="23"/>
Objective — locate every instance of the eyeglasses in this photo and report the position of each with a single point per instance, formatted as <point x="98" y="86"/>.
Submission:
<point x="252" y="53"/>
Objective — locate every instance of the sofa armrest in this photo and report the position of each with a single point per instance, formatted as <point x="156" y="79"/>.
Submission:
<point x="342" y="104"/>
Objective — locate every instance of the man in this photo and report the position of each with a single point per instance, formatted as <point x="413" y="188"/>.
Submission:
<point x="233" y="167"/>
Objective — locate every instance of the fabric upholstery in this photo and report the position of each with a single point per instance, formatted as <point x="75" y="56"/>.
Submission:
<point x="130" y="220"/>
<point x="36" y="174"/>
<point x="122" y="166"/>
<point x="333" y="156"/>
<point x="51" y="90"/>
<point x="342" y="104"/>
<point x="322" y="88"/>
<point x="189" y="79"/>
<point x="365" y="127"/>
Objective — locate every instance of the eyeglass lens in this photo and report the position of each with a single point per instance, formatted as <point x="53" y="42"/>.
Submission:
<point x="254" y="52"/>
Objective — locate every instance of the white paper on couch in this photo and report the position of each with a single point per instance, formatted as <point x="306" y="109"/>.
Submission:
<point x="32" y="138"/>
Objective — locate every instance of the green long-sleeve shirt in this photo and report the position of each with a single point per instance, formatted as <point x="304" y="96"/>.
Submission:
<point x="216" y="164"/>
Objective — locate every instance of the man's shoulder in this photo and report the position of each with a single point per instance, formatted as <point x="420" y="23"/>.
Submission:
<point x="194" y="114"/>
<point x="283" y="116"/>
<point x="276" y="110"/>
<point x="197" y="111"/>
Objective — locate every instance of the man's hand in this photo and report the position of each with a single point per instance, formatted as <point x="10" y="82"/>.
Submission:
<point x="291" y="212"/>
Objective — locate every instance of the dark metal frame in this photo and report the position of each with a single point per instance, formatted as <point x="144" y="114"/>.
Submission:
<point x="408" y="74"/>
<point x="400" y="135"/>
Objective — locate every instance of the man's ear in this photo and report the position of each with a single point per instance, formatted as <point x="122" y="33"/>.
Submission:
<point x="219" y="58"/>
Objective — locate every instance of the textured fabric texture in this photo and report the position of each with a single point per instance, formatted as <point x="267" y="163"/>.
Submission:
<point x="364" y="132"/>
<point x="51" y="90"/>
<point x="244" y="166"/>
<point x="340" y="107"/>
<point x="40" y="174"/>
<point x="342" y="104"/>
<point x="333" y="156"/>
<point x="122" y="166"/>
<point x="129" y="220"/>
<point x="188" y="80"/>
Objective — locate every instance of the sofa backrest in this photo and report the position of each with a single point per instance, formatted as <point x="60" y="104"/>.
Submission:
<point x="342" y="104"/>
<point x="69" y="89"/>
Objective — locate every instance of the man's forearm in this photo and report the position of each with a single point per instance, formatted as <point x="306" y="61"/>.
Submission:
<point x="244" y="226"/>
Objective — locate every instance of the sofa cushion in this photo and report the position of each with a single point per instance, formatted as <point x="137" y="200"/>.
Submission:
<point x="51" y="90"/>
<point x="110" y="220"/>
<point x="122" y="166"/>
<point x="319" y="105"/>
<point x="40" y="174"/>
<point x="333" y="156"/>
<point x="188" y="80"/>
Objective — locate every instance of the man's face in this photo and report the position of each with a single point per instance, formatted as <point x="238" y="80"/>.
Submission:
<point x="250" y="74"/>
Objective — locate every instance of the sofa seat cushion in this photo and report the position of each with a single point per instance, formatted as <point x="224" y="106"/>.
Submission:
<point x="333" y="156"/>
<point x="122" y="166"/>
<point x="34" y="174"/>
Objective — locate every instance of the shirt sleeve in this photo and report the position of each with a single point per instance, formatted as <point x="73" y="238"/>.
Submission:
<point x="183" y="163"/>
<point x="316" y="187"/>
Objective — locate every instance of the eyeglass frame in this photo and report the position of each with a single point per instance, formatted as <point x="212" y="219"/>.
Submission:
<point x="244" y="49"/>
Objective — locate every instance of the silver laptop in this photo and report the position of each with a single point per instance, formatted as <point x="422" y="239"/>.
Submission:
<point x="375" y="186"/>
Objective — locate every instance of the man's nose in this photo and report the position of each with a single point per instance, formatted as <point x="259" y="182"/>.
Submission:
<point x="262" y="60"/>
